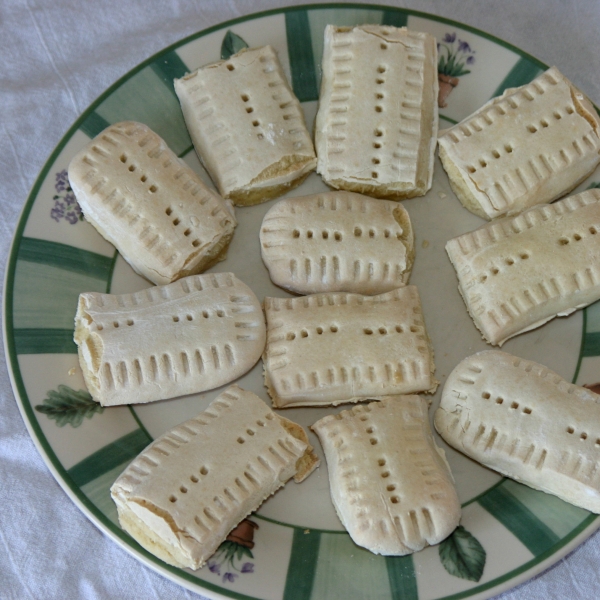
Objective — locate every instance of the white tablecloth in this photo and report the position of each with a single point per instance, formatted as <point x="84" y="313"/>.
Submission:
<point x="56" y="58"/>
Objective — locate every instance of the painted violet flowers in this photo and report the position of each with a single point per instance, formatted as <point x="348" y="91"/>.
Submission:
<point x="455" y="54"/>
<point x="65" y="204"/>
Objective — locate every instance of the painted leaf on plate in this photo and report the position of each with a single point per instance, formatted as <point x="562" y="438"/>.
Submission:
<point x="66" y="405"/>
<point x="462" y="555"/>
<point x="232" y="44"/>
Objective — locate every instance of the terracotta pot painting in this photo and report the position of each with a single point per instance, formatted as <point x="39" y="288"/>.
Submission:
<point x="454" y="56"/>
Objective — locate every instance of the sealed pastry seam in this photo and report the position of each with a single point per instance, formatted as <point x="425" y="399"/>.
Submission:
<point x="184" y="493"/>
<point x="390" y="484"/>
<point x="193" y="335"/>
<point x="525" y="421"/>
<point x="142" y="198"/>
<point x="337" y="241"/>
<point x="247" y="126"/>
<point x="517" y="273"/>
<point x="376" y="128"/>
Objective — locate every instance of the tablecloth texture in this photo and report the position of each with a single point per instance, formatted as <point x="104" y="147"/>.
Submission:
<point x="55" y="59"/>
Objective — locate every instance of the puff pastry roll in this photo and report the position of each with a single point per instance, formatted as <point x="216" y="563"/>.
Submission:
<point x="193" y="335"/>
<point x="337" y="241"/>
<point x="186" y="491"/>
<point x="148" y="203"/>
<point x="530" y="145"/>
<point x="523" y="420"/>
<point x="376" y="129"/>
<point x="518" y="273"/>
<point x="247" y="126"/>
<point x="327" y="349"/>
<point x="390" y="484"/>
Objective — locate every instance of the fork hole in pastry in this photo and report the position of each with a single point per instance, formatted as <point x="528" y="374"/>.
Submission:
<point x="508" y="148"/>
<point x="593" y="230"/>
<point x="196" y="243"/>
<point x="514" y="405"/>
<point x="250" y="431"/>
<point x="260" y="136"/>
<point x="172" y="498"/>
<point x="319" y="330"/>
<point x="495" y="271"/>
<point x="563" y="241"/>
<point x="482" y="279"/>
<point x="189" y="317"/>
<point x="245" y="97"/>
<point x="176" y="222"/>
<point x="374" y="175"/>
<point x="482" y="162"/>
<point x="485" y="395"/>
<point x="532" y="128"/>
<point x="205" y="314"/>
<point x="123" y="158"/>
<point x="381" y="69"/>
<point x="309" y="234"/>
<point x="577" y="237"/>
<point x="378" y="108"/>
<point x="544" y="123"/>
<point x="296" y="233"/>
<point x="499" y="400"/>
<point x="176" y="319"/>
<point x="385" y="474"/>
<point x="291" y="336"/>
<point x="130" y="322"/>
<point x="220" y="313"/>
<point x="570" y="110"/>
<point x="194" y="479"/>
<point x="169" y="211"/>
<point x="373" y="441"/>
<point x="378" y="133"/>
<point x="131" y="168"/>
<point x="381" y="462"/>
<point x="524" y="256"/>
<point x="471" y="169"/>
<point x="379" y="81"/>
<point x="391" y="487"/>
<point x="270" y="417"/>
<point x="337" y="236"/>
<point x="570" y="430"/>
<point x="152" y="189"/>
<point x="255" y="123"/>
<point x="370" y="430"/>
<point x="495" y="154"/>
<point x="183" y="489"/>
<point x="510" y="261"/>
<point x="187" y="232"/>
<point x="383" y="46"/>
<point x="371" y="233"/>
<point x="376" y="145"/>
<point x="398" y="329"/>
<point x="382" y="330"/>
<point x="99" y="327"/>
<point x="557" y="115"/>
<point x="375" y="161"/>
<point x="395" y="499"/>
<point x="325" y="234"/>
<point x="240" y="440"/>
<point x="527" y="411"/>
<point x="143" y="178"/>
<point x="333" y="329"/>
<point x="414" y="329"/>
<point x="115" y="323"/>
<point x="230" y="68"/>
<point x="357" y="231"/>
<point x="368" y="331"/>
<point x="260" y="423"/>
<point x="249" y="109"/>
<point x="304" y="333"/>
<point x="583" y="437"/>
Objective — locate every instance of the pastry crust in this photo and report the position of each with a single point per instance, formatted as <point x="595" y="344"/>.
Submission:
<point x="327" y="349"/>
<point x="186" y="491"/>
<point x="189" y="336"/>
<point x="376" y="129"/>
<point x="531" y="145"/>
<point x="517" y="273"/>
<point x="523" y="420"/>
<point x="247" y="126"/>
<point x="337" y="242"/>
<point x="390" y="484"/>
<point x="148" y="203"/>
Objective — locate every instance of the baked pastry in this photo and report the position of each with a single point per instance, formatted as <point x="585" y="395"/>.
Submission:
<point x="327" y="349"/>
<point x="517" y="273"/>
<point x="526" y="422"/>
<point x="190" y="336"/>
<point x="186" y="491"/>
<point x="532" y="144"/>
<point x="337" y="242"/>
<point x="390" y="484"/>
<point x="247" y="126"/>
<point x="162" y="218"/>
<point x="376" y="129"/>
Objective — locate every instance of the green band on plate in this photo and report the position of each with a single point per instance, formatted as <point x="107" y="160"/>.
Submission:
<point x="523" y="72"/>
<point x="66" y="257"/>
<point x="100" y="462"/>
<point x="396" y="18"/>
<point x="519" y="520"/>
<point x="94" y="124"/>
<point x="303" y="564"/>
<point x="44" y="341"/>
<point x="403" y="581"/>
<point x="302" y="62"/>
<point x="168" y="67"/>
<point x="591" y="344"/>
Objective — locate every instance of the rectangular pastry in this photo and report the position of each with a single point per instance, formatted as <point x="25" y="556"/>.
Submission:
<point x="327" y="349"/>
<point x="186" y="491"/>
<point x="517" y="273"/>
<point x="247" y="126"/>
<point x="193" y="335"/>
<point x="337" y="242"/>
<point x="376" y="129"/>
<point x="390" y="484"/>
<point x="532" y="144"/>
<point x="523" y="420"/>
<point x="162" y="218"/>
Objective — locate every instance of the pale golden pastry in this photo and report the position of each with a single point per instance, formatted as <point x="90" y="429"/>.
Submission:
<point x="327" y="349"/>
<point x="185" y="492"/>
<point x="247" y="126"/>
<point x="517" y="273"/>
<point x="162" y="218"/>
<point x="526" y="422"/>
<point x="390" y="484"/>
<point x="376" y="129"/>
<point x="532" y="144"/>
<point x="337" y="242"/>
<point x="190" y="336"/>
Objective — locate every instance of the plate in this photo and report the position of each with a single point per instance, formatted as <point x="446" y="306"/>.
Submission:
<point x="295" y="548"/>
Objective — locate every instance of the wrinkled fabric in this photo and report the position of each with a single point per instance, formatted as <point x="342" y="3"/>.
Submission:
<point x="56" y="58"/>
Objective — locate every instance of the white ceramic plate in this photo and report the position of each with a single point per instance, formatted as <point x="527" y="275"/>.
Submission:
<point x="299" y="550"/>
